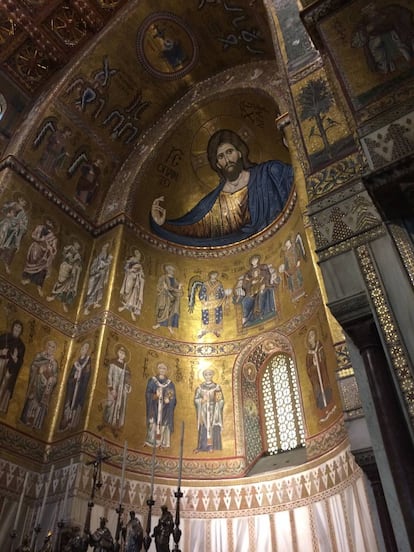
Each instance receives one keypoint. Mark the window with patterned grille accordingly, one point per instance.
(281, 405)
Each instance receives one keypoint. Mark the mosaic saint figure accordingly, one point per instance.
(163, 530)
(293, 253)
(42, 382)
(255, 292)
(13, 226)
(66, 285)
(212, 296)
(169, 292)
(133, 534)
(161, 401)
(118, 384)
(317, 370)
(247, 199)
(55, 152)
(89, 180)
(386, 34)
(98, 278)
(12, 351)
(209, 405)
(132, 289)
(76, 389)
(40, 255)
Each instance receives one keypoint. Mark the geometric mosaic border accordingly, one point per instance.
(389, 328)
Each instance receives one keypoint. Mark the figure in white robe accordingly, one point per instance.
(132, 289)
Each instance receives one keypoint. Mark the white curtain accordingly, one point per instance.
(303, 529)
(283, 533)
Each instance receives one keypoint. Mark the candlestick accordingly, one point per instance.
(153, 468)
(65, 500)
(40, 516)
(178, 495)
(19, 507)
(180, 463)
(123, 472)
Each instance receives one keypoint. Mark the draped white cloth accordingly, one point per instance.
(249, 515)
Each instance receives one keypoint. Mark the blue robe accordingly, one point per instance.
(268, 191)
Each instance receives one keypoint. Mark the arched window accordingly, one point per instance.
(281, 405)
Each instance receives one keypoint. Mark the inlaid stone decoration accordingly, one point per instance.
(390, 142)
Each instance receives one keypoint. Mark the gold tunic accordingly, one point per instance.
(229, 213)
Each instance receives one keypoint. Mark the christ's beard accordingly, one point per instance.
(233, 170)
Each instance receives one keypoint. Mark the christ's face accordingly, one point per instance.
(229, 161)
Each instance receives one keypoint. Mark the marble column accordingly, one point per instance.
(366, 461)
(395, 434)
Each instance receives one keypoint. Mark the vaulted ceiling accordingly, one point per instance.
(109, 71)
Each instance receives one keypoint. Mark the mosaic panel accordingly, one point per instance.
(342, 221)
(334, 176)
(390, 143)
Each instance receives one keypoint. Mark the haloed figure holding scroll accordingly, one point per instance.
(318, 371)
(76, 388)
(42, 382)
(118, 389)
